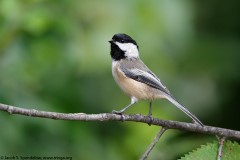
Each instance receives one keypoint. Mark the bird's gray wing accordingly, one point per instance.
(138, 71)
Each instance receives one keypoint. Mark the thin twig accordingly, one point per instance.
(221, 142)
(221, 132)
(149, 149)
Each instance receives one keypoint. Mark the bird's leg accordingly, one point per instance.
(150, 109)
(150, 113)
(133, 101)
(122, 110)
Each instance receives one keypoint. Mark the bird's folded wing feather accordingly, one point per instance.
(140, 72)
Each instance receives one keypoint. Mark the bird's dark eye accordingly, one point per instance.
(122, 41)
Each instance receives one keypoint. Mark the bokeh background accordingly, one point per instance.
(54, 56)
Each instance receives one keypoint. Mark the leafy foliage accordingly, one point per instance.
(231, 151)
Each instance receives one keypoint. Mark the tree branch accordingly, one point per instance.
(221, 143)
(221, 132)
(156, 139)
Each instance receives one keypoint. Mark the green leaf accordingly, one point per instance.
(231, 151)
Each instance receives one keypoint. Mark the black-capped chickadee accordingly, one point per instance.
(134, 77)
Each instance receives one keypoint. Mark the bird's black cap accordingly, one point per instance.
(123, 38)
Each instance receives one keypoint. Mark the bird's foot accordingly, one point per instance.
(119, 113)
(151, 119)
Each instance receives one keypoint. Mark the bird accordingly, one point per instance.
(135, 78)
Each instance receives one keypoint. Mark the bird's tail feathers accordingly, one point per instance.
(182, 108)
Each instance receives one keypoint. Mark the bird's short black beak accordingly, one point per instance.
(111, 41)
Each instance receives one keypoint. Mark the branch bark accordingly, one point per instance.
(221, 143)
(221, 132)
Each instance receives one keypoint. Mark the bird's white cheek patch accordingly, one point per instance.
(130, 49)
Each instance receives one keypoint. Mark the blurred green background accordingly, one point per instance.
(54, 56)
